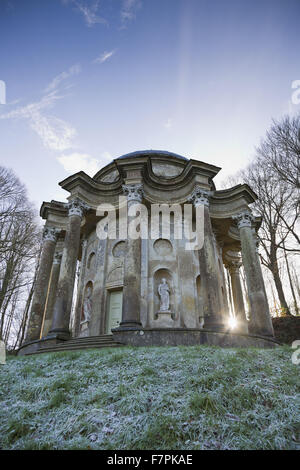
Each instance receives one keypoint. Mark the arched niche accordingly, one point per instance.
(157, 278)
(86, 309)
(91, 260)
(162, 247)
(119, 249)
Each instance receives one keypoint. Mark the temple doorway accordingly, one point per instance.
(114, 309)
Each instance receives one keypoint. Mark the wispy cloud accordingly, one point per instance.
(76, 161)
(104, 57)
(55, 133)
(129, 10)
(47, 101)
(89, 10)
(74, 70)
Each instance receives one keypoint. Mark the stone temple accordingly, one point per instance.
(148, 290)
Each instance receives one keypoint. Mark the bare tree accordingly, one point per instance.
(19, 236)
(280, 150)
(274, 175)
(273, 199)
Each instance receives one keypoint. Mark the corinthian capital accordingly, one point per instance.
(199, 196)
(50, 233)
(244, 219)
(57, 258)
(134, 192)
(77, 207)
(233, 266)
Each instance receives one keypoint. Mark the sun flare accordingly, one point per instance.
(232, 323)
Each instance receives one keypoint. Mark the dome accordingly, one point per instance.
(142, 153)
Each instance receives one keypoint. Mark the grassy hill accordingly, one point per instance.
(151, 398)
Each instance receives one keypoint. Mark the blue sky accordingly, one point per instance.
(88, 81)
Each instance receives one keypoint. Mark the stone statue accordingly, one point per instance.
(164, 294)
(87, 304)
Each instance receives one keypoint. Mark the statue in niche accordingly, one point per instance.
(87, 304)
(164, 294)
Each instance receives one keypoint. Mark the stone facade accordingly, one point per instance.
(149, 286)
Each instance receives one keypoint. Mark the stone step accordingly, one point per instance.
(100, 341)
(83, 338)
(76, 344)
(93, 344)
(76, 348)
(78, 338)
(85, 342)
(91, 339)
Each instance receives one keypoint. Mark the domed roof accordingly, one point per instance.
(141, 153)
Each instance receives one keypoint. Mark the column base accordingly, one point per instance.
(59, 334)
(212, 323)
(129, 325)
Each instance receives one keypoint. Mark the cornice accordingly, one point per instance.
(55, 207)
(81, 179)
(226, 195)
(223, 203)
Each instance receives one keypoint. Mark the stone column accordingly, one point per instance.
(51, 293)
(132, 267)
(224, 280)
(65, 287)
(41, 285)
(212, 306)
(260, 320)
(237, 294)
(80, 292)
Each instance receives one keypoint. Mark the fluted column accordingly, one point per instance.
(41, 284)
(212, 306)
(132, 266)
(260, 320)
(51, 293)
(237, 294)
(65, 287)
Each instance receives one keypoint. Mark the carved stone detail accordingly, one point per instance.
(116, 274)
(233, 266)
(163, 247)
(164, 295)
(134, 192)
(77, 207)
(50, 233)
(119, 250)
(244, 219)
(199, 196)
